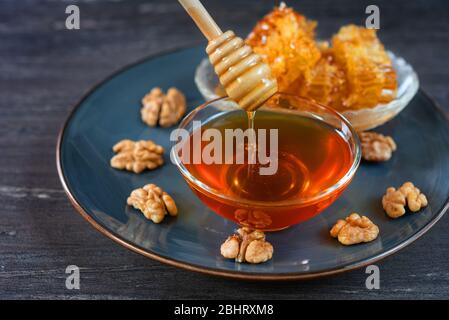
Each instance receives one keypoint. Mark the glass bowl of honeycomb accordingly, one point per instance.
(352, 73)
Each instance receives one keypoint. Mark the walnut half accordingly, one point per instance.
(394, 201)
(376, 146)
(163, 109)
(154, 203)
(354, 229)
(247, 246)
(136, 156)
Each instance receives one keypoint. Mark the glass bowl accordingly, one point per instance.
(362, 119)
(271, 214)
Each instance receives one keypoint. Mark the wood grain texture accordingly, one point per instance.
(45, 69)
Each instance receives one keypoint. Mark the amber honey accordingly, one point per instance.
(312, 157)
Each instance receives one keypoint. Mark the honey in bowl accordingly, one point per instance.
(317, 154)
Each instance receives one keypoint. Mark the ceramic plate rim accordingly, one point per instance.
(198, 268)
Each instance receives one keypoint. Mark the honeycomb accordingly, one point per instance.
(352, 72)
(326, 83)
(284, 39)
(369, 72)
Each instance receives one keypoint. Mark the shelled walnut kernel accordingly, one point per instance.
(136, 156)
(376, 146)
(163, 109)
(247, 245)
(154, 203)
(354, 229)
(394, 201)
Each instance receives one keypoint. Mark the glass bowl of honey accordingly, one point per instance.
(269, 169)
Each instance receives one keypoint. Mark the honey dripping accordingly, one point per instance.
(252, 145)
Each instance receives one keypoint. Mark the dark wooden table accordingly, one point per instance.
(45, 69)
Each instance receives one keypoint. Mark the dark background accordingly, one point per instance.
(45, 69)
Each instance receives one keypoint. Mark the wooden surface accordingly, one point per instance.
(45, 69)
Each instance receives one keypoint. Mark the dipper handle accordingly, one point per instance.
(202, 18)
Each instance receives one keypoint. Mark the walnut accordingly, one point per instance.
(137, 156)
(394, 201)
(163, 109)
(247, 246)
(376, 146)
(354, 229)
(154, 203)
(152, 103)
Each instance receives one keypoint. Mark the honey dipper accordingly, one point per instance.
(246, 79)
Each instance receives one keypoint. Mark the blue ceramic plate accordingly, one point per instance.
(110, 112)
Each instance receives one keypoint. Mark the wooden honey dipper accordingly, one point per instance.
(246, 79)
